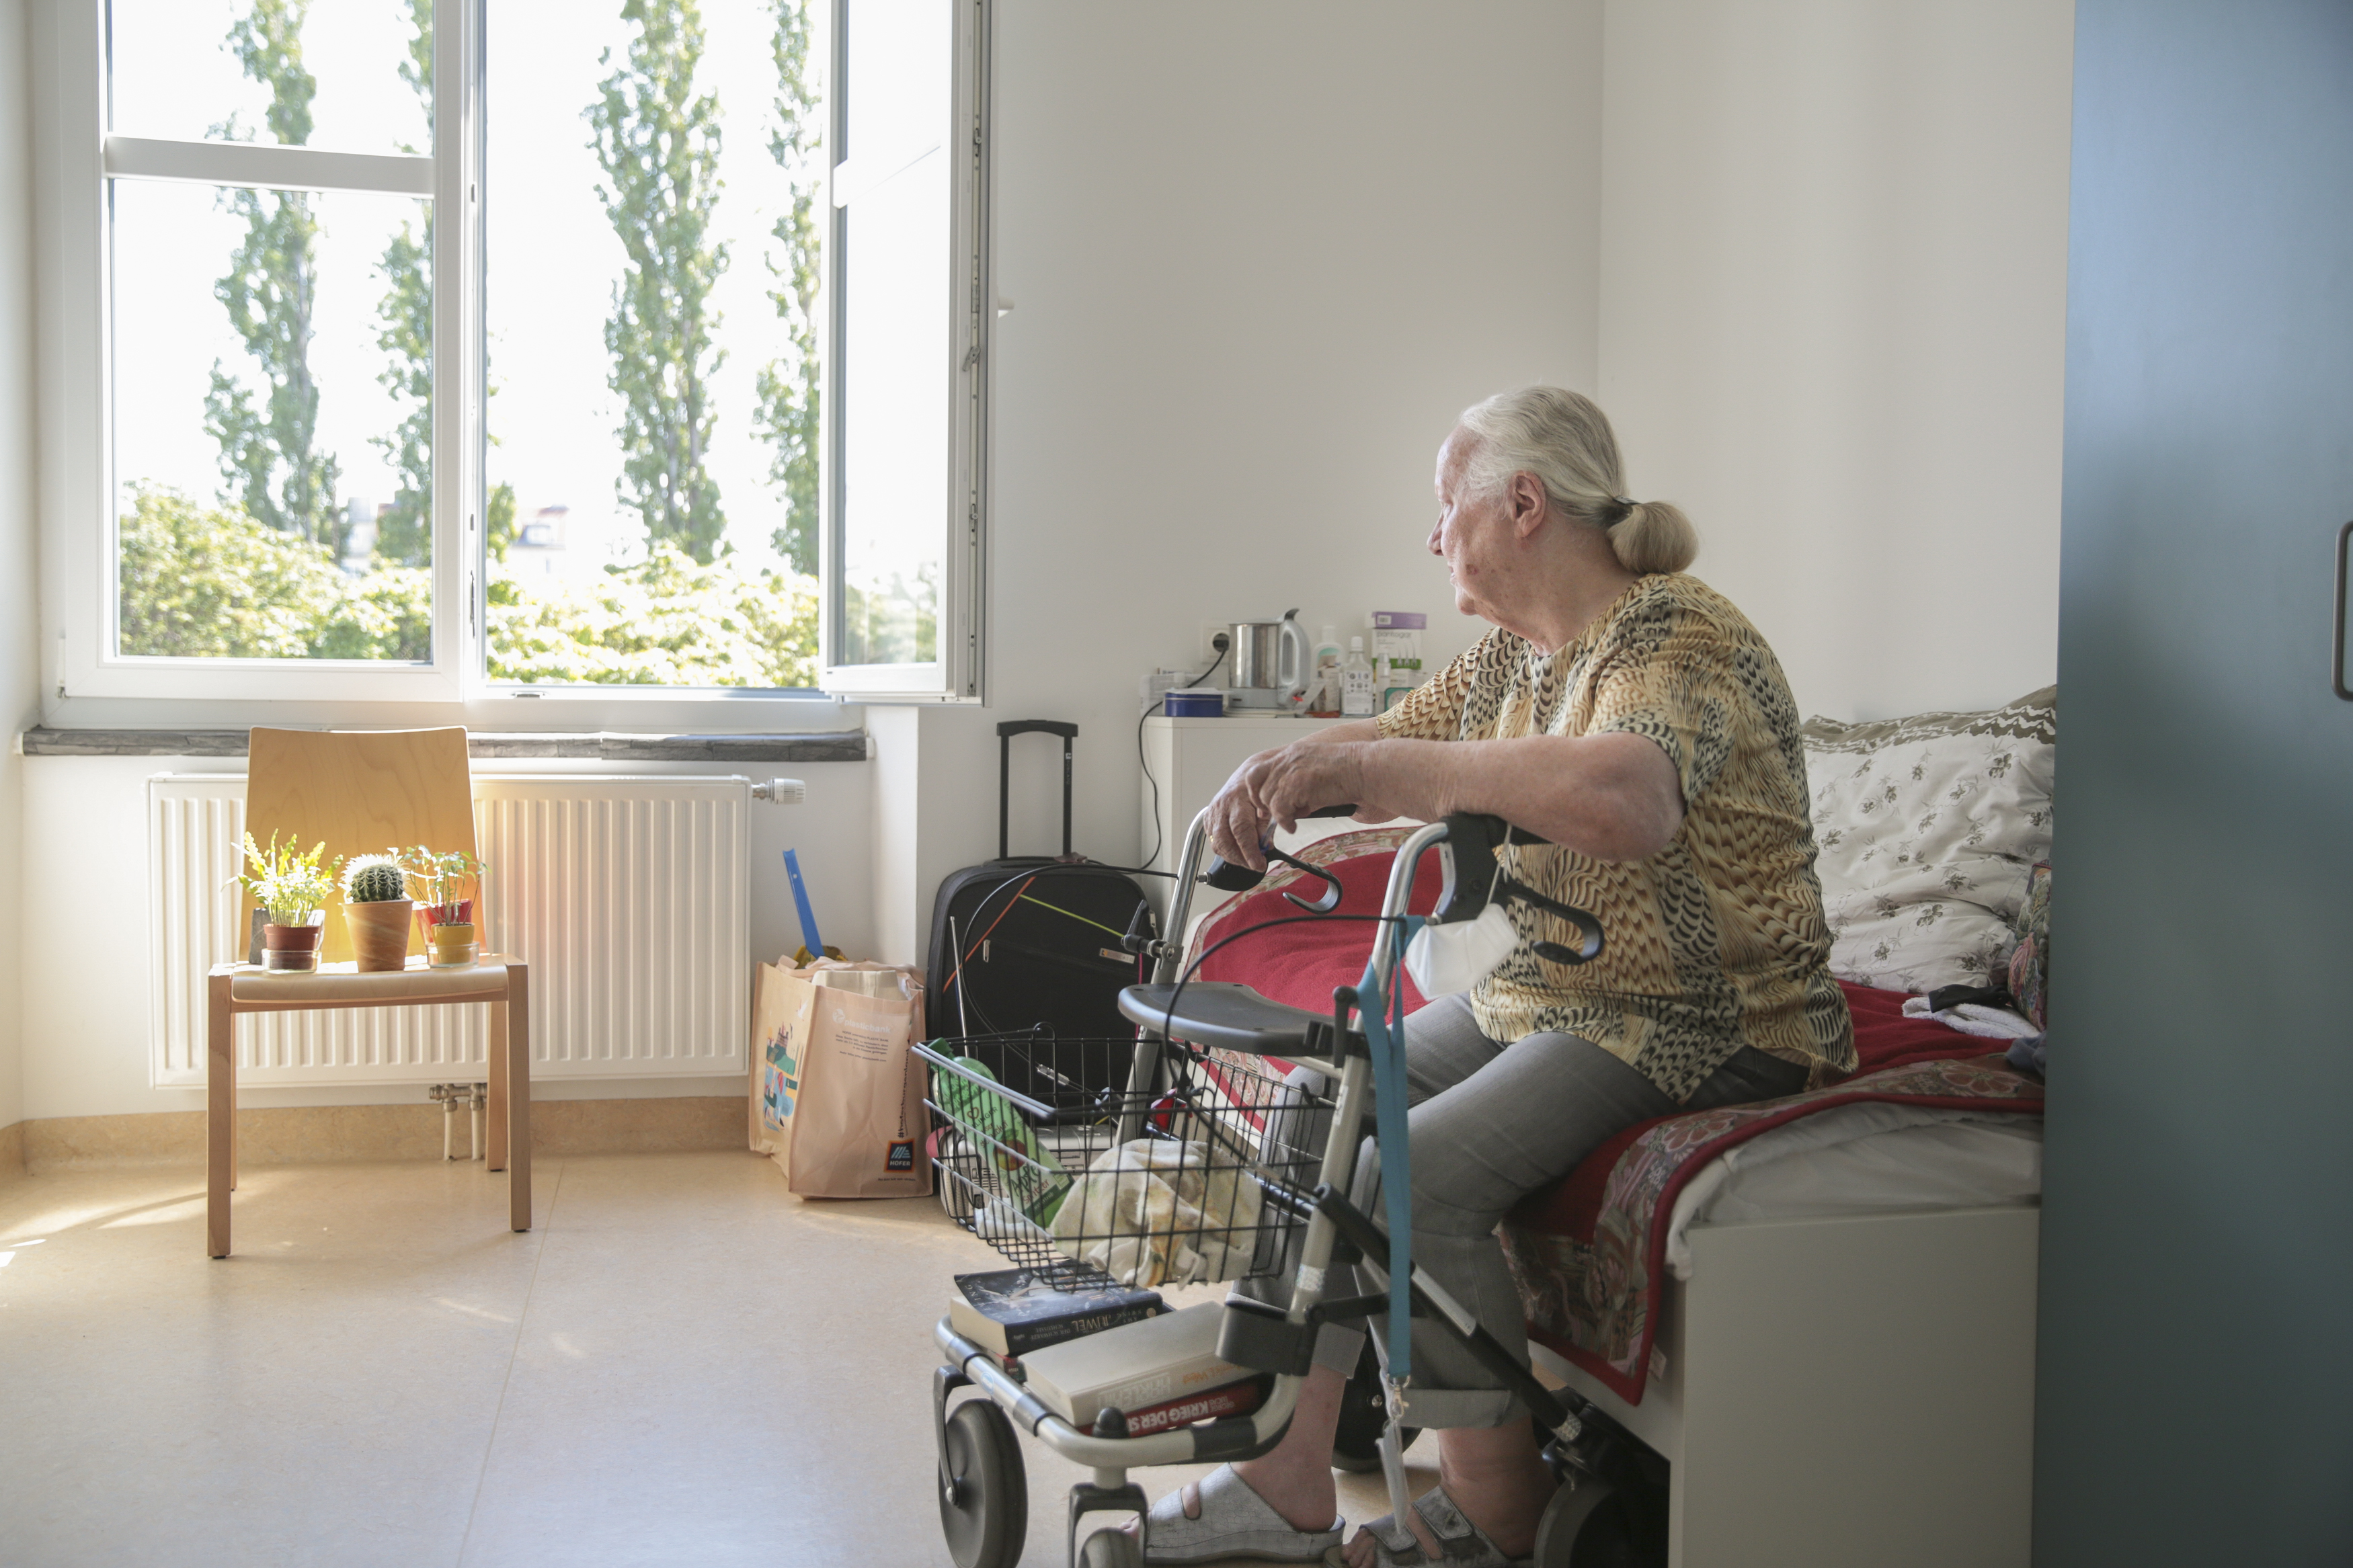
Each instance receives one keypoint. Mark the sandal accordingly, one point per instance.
(1235, 1522)
(1461, 1545)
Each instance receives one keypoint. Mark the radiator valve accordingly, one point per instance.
(784, 792)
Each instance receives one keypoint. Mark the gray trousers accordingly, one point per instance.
(1489, 1123)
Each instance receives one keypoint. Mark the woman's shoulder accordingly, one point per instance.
(1676, 603)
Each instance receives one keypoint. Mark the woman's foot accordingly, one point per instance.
(1497, 1480)
(1219, 1517)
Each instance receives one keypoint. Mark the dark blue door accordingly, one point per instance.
(2195, 1379)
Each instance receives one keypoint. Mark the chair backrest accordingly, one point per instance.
(362, 792)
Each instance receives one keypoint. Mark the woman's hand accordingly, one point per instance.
(1274, 789)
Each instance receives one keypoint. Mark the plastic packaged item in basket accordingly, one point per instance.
(1028, 1181)
(1162, 1211)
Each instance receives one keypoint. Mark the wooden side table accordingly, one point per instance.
(502, 982)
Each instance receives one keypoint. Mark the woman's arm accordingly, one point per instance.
(1613, 796)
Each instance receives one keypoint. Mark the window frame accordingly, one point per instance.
(959, 674)
(77, 160)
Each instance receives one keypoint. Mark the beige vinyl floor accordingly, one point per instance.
(680, 1363)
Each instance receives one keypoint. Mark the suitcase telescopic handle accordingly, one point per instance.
(1005, 733)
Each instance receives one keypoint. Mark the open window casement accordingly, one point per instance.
(130, 189)
(905, 407)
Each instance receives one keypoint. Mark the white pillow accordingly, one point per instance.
(1926, 830)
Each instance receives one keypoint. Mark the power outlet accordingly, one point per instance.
(1210, 633)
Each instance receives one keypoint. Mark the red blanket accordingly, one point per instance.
(1590, 1251)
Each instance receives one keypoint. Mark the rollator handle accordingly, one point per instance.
(1471, 840)
(1228, 877)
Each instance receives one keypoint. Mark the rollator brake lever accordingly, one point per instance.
(1231, 876)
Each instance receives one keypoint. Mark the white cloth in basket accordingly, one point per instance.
(1157, 1211)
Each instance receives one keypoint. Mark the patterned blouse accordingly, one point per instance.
(1717, 941)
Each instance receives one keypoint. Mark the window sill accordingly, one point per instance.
(828, 746)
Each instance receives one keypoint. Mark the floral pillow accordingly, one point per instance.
(1927, 831)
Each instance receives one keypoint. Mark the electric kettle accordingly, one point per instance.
(1269, 662)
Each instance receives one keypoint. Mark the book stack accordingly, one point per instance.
(1158, 1372)
(1084, 1349)
(1014, 1312)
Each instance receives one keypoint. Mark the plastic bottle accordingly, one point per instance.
(1357, 694)
(1324, 686)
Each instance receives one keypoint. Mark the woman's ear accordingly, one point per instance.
(1528, 503)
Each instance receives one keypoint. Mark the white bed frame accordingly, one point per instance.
(1847, 1393)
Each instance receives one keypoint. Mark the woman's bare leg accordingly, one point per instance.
(1496, 1477)
(1294, 1478)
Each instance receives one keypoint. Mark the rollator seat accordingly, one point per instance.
(1221, 1014)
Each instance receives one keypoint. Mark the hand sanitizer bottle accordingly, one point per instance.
(1357, 682)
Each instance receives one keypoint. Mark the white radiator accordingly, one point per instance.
(627, 896)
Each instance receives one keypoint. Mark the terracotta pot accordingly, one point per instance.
(379, 934)
(291, 950)
(453, 945)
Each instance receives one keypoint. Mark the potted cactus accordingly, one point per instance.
(443, 887)
(292, 890)
(376, 907)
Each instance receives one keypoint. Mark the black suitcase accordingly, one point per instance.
(1036, 943)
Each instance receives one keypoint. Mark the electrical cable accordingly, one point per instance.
(1160, 840)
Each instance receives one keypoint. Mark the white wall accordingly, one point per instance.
(1259, 257)
(1833, 310)
(19, 638)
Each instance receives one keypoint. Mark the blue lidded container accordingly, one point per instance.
(1197, 702)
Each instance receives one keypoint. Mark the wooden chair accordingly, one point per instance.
(360, 793)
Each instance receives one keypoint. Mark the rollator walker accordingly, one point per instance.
(1187, 1079)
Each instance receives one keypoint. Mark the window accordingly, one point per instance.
(416, 349)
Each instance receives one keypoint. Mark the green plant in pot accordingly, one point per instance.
(445, 886)
(292, 890)
(376, 907)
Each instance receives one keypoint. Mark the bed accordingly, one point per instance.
(1819, 1311)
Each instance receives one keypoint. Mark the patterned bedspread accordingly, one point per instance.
(1590, 1253)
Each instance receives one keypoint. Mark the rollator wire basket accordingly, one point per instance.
(1203, 1177)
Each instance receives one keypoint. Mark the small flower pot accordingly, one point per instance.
(293, 950)
(379, 934)
(453, 944)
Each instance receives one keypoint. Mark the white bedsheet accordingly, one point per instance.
(1869, 1158)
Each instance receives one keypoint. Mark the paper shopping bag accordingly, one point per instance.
(836, 1097)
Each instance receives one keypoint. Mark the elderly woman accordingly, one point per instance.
(1632, 716)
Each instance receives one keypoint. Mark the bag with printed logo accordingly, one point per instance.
(836, 1097)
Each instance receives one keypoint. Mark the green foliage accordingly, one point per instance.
(268, 459)
(786, 414)
(200, 582)
(498, 520)
(894, 624)
(404, 532)
(290, 886)
(658, 142)
(374, 879)
(669, 620)
(442, 878)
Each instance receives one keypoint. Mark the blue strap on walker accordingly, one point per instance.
(1381, 1010)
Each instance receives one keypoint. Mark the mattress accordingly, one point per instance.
(1862, 1158)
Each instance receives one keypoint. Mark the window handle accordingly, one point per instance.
(2336, 632)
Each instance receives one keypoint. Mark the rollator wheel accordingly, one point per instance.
(1586, 1526)
(983, 1496)
(1111, 1549)
(1364, 1412)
